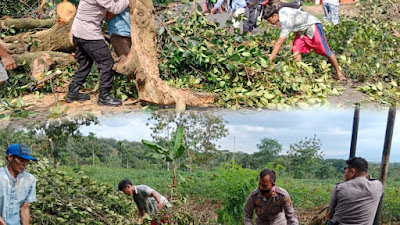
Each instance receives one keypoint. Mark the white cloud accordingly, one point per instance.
(332, 127)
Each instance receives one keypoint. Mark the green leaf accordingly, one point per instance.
(379, 86)
(303, 105)
(157, 148)
(230, 66)
(246, 54)
(176, 38)
(234, 57)
(268, 95)
(238, 39)
(160, 30)
(124, 97)
(177, 140)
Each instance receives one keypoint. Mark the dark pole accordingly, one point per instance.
(385, 157)
(355, 131)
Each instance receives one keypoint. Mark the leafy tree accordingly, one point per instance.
(305, 157)
(200, 128)
(92, 138)
(269, 149)
(338, 164)
(171, 153)
(327, 170)
(58, 132)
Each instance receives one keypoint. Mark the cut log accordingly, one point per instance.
(27, 23)
(41, 62)
(142, 61)
(57, 38)
(65, 12)
(54, 39)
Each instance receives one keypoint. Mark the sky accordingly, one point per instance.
(247, 127)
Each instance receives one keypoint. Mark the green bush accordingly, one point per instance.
(16, 8)
(234, 186)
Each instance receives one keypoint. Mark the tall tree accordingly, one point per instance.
(143, 62)
(269, 149)
(58, 132)
(92, 138)
(305, 157)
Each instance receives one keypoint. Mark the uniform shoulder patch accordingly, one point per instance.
(288, 202)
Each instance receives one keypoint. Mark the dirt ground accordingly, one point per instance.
(205, 211)
(344, 10)
(41, 106)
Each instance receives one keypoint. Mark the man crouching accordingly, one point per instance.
(309, 34)
(147, 199)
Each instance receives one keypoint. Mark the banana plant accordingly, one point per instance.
(169, 154)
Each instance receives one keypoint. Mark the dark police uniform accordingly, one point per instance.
(275, 210)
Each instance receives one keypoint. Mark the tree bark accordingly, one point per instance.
(27, 23)
(54, 39)
(41, 62)
(142, 61)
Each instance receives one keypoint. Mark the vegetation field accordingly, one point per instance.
(78, 175)
(308, 195)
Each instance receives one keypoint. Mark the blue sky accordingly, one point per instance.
(333, 127)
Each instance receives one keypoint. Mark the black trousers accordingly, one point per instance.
(251, 19)
(89, 51)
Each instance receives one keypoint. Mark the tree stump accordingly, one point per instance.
(142, 61)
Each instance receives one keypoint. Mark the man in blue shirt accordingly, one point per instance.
(119, 29)
(17, 187)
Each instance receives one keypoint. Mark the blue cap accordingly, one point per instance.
(20, 150)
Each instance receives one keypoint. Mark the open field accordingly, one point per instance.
(308, 195)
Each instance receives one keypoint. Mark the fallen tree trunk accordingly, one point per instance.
(142, 61)
(27, 23)
(57, 38)
(54, 39)
(41, 62)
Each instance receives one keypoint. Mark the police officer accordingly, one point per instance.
(356, 200)
(271, 203)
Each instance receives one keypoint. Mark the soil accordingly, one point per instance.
(204, 209)
(41, 106)
(345, 10)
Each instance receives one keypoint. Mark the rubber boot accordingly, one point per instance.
(105, 98)
(75, 95)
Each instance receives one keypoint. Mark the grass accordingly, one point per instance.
(198, 183)
(306, 194)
